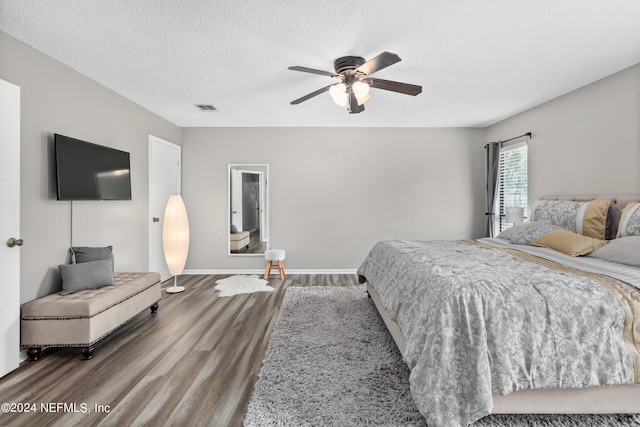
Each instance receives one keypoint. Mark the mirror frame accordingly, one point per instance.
(258, 167)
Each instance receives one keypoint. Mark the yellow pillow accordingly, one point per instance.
(569, 243)
(594, 222)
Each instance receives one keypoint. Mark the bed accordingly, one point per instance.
(545, 318)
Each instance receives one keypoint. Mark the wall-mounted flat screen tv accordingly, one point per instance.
(87, 171)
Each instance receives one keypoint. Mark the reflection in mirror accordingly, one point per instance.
(248, 213)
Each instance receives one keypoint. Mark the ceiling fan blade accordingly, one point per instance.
(312, 70)
(311, 95)
(381, 61)
(406, 88)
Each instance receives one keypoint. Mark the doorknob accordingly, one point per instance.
(12, 242)
(156, 219)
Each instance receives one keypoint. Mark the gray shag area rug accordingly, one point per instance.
(332, 362)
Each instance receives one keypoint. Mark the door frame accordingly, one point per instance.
(237, 191)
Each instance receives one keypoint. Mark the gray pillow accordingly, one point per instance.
(557, 212)
(623, 250)
(86, 275)
(527, 232)
(86, 254)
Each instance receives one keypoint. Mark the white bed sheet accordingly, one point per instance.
(625, 273)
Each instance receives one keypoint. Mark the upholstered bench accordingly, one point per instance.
(83, 318)
(239, 240)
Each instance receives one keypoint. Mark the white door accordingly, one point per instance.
(9, 227)
(164, 180)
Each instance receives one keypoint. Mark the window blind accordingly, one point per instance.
(512, 181)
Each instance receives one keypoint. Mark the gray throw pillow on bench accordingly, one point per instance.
(81, 254)
(86, 275)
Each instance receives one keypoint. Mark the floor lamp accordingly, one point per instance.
(175, 239)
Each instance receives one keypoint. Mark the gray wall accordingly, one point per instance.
(337, 191)
(57, 99)
(334, 192)
(586, 142)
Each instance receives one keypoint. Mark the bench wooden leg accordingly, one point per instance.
(267, 270)
(87, 353)
(34, 353)
(154, 308)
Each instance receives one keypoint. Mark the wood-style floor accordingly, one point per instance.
(194, 363)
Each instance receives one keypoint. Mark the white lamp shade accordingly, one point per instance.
(361, 91)
(514, 215)
(339, 95)
(363, 100)
(175, 234)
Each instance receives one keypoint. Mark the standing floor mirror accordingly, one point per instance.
(248, 209)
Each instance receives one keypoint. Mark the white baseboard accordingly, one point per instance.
(273, 272)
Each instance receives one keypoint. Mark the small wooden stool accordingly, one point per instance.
(271, 256)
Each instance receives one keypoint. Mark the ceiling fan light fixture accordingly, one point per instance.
(339, 94)
(363, 100)
(355, 81)
(361, 91)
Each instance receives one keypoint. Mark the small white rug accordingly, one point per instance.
(235, 285)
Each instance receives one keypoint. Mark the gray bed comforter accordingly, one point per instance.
(478, 320)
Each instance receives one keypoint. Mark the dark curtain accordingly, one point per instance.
(492, 152)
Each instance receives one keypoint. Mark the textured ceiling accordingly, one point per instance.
(479, 61)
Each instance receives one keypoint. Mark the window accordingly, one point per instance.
(512, 181)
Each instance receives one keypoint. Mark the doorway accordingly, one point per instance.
(164, 180)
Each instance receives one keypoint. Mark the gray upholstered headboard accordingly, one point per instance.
(615, 210)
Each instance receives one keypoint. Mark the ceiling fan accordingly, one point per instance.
(353, 89)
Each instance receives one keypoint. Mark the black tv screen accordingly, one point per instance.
(86, 171)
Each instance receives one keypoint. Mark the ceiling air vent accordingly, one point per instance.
(206, 107)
